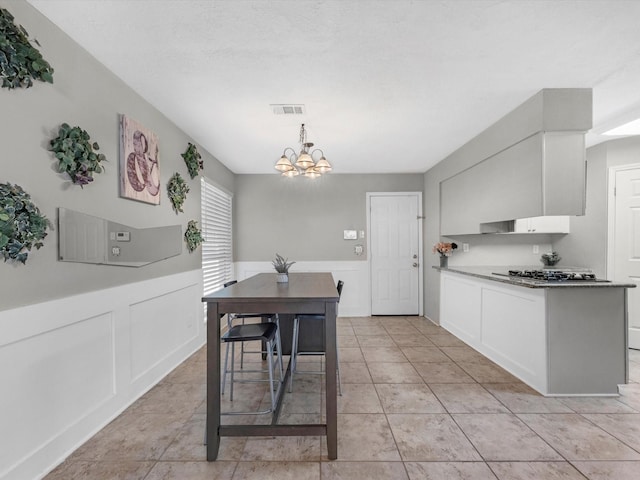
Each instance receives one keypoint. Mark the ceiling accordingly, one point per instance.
(389, 86)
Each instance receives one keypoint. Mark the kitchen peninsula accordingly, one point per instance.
(561, 338)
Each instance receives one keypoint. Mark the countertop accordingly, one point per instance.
(487, 273)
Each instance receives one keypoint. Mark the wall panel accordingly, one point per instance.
(69, 366)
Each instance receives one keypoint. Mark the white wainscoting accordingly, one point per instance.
(69, 366)
(356, 295)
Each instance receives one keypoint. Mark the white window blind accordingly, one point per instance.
(216, 223)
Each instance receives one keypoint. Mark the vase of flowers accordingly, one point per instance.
(444, 250)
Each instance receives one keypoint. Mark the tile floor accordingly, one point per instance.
(417, 404)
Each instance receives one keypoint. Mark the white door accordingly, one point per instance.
(626, 255)
(395, 253)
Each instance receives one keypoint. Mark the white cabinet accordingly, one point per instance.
(559, 341)
(503, 322)
(521, 181)
(549, 224)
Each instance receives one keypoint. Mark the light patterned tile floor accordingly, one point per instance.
(417, 404)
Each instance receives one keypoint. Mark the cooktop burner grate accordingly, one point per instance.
(553, 275)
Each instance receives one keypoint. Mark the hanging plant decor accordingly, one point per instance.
(20, 62)
(177, 189)
(22, 226)
(193, 159)
(193, 236)
(76, 154)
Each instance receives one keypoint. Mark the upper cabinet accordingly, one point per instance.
(540, 175)
(555, 224)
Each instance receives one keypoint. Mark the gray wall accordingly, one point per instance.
(304, 219)
(84, 93)
(522, 122)
(587, 242)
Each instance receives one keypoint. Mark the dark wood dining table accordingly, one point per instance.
(308, 293)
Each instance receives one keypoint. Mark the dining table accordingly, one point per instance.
(305, 293)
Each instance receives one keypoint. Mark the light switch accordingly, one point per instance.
(361, 233)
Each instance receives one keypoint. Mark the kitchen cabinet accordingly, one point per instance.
(559, 341)
(550, 224)
(542, 175)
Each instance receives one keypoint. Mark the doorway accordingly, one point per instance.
(395, 252)
(624, 234)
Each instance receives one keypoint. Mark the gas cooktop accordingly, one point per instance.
(553, 275)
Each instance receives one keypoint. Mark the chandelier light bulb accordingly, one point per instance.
(304, 160)
(284, 164)
(323, 166)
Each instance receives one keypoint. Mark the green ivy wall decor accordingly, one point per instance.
(20, 62)
(75, 154)
(177, 189)
(22, 226)
(193, 159)
(193, 236)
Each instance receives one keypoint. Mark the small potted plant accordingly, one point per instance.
(550, 259)
(445, 250)
(282, 265)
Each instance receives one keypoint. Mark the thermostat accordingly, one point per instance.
(123, 236)
(350, 235)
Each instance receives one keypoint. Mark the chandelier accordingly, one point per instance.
(292, 164)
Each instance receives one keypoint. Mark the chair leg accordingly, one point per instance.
(279, 348)
(294, 351)
(270, 366)
(338, 368)
(233, 368)
(242, 351)
(224, 372)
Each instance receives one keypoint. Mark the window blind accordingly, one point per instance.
(217, 255)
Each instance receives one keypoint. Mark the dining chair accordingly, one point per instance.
(231, 317)
(298, 322)
(264, 332)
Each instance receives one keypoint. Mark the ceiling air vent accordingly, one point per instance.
(287, 109)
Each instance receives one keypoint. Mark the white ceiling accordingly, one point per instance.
(389, 86)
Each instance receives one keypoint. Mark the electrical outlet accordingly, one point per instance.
(536, 249)
(465, 247)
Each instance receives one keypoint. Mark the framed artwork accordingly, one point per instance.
(139, 162)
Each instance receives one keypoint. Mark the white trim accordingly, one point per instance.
(611, 215)
(420, 245)
(77, 362)
(633, 334)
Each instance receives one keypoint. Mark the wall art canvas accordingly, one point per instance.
(139, 162)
